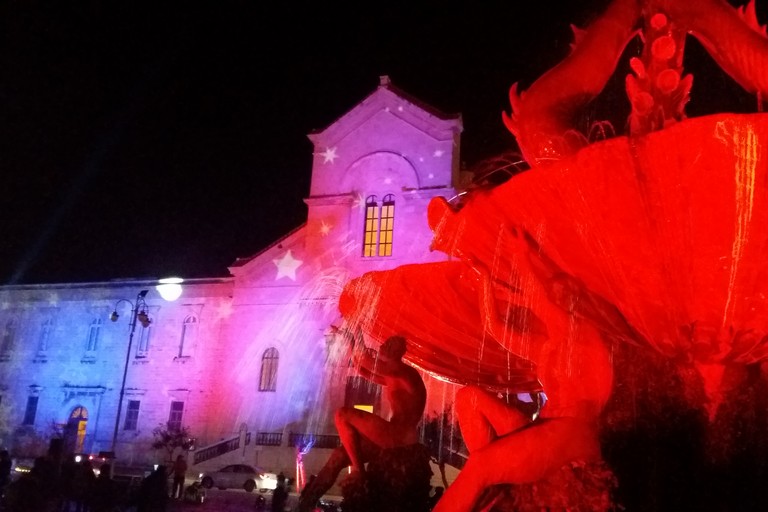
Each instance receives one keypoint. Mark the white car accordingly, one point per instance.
(239, 476)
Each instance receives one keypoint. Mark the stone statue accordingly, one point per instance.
(364, 436)
(653, 240)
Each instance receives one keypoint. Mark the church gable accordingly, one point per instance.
(392, 137)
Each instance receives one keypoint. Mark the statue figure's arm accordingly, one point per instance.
(543, 117)
(732, 36)
(369, 366)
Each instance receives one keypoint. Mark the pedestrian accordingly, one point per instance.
(179, 476)
(153, 492)
(82, 485)
(28, 492)
(105, 492)
(5, 469)
(280, 494)
(69, 468)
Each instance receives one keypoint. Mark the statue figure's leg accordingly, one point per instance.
(326, 477)
(354, 425)
(484, 417)
(523, 456)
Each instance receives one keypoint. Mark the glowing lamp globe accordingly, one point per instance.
(169, 288)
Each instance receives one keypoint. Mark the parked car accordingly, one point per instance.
(239, 476)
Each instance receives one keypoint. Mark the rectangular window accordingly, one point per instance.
(142, 347)
(31, 411)
(188, 337)
(93, 336)
(132, 415)
(9, 335)
(362, 394)
(42, 340)
(175, 417)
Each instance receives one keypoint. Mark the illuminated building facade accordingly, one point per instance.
(244, 361)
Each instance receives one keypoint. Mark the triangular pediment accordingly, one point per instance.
(389, 98)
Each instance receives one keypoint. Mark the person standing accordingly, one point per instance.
(104, 494)
(280, 494)
(153, 492)
(179, 475)
(5, 469)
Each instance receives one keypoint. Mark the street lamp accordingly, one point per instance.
(138, 315)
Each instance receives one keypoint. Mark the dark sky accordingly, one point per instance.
(168, 138)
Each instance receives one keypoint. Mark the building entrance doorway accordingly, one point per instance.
(74, 433)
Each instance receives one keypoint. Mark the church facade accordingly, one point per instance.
(246, 361)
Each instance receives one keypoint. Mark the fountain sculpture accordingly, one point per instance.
(629, 269)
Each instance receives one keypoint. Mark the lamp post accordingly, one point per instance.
(138, 315)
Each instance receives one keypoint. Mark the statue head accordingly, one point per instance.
(393, 348)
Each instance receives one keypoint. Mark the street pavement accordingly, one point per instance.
(231, 500)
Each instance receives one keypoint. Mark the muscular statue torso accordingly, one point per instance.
(406, 395)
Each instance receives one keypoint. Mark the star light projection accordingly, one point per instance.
(286, 266)
(329, 155)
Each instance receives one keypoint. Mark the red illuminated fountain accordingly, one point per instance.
(653, 244)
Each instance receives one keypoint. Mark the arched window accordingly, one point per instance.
(269, 361)
(188, 336)
(387, 227)
(379, 226)
(75, 430)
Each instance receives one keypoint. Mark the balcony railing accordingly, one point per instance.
(269, 439)
(317, 440)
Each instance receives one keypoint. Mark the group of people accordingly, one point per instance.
(66, 487)
(58, 483)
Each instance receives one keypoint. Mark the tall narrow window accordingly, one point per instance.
(42, 339)
(176, 415)
(188, 336)
(132, 415)
(379, 226)
(142, 343)
(269, 361)
(387, 223)
(93, 336)
(31, 411)
(9, 338)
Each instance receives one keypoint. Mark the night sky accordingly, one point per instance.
(166, 138)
